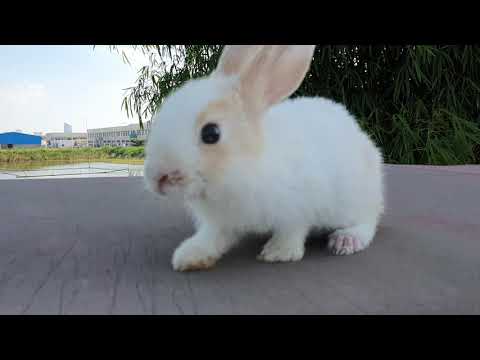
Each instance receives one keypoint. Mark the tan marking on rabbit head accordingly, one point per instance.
(240, 135)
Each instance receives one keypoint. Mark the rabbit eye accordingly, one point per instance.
(210, 133)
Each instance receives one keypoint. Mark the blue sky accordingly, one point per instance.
(41, 87)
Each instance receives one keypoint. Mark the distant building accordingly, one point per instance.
(118, 135)
(39, 133)
(66, 140)
(67, 128)
(10, 140)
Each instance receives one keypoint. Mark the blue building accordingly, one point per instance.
(15, 139)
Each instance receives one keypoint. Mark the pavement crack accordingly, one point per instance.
(192, 295)
(48, 277)
(140, 298)
(118, 276)
(60, 305)
(6, 275)
(174, 300)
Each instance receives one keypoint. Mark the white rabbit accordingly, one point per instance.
(246, 159)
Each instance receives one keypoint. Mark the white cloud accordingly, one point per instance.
(22, 94)
(21, 105)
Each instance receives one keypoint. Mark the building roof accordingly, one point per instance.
(134, 126)
(16, 138)
(65, 135)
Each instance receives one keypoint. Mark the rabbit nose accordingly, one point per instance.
(168, 179)
(161, 183)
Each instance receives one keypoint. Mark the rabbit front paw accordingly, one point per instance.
(192, 255)
(281, 251)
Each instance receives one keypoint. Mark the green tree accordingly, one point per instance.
(420, 103)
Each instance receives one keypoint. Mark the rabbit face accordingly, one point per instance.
(200, 132)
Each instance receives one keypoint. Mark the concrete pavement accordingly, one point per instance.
(103, 246)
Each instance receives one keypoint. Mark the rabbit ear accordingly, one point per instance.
(267, 73)
(235, 58)
(276, 72)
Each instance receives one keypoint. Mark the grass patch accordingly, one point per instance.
(77, 155)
